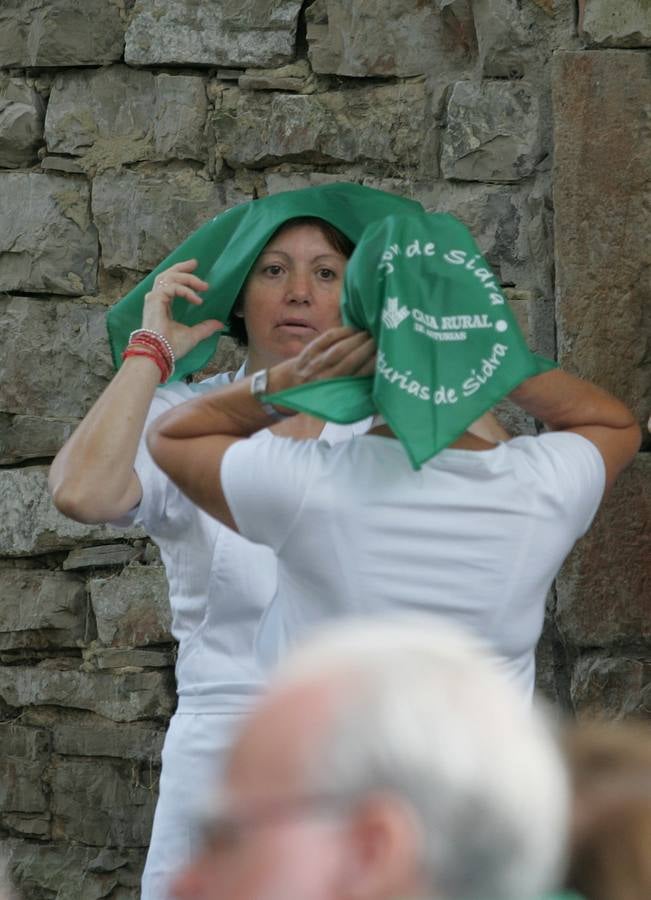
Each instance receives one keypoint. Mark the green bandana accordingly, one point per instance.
(448, 346)
(227, 247)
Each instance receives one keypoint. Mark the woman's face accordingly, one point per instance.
(291, 295)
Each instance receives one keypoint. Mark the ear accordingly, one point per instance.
(384, 845)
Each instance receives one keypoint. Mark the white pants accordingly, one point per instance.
(193, 756)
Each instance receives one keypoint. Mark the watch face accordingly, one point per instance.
(259, 383)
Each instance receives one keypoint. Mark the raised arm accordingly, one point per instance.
(189, 441)
(567, 403)
(92, 478)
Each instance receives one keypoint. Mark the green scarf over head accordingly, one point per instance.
(227, 247)
(448, 346)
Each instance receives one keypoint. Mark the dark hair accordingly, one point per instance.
(337, 240)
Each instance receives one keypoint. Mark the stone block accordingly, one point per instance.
(228, 33)
(77, 873)
(296, 77)
(605, 584)
(30, 524)
(118, 658)
(119, 696)
(494, 215)
(47, 241)
(20, 788)
(103, 555)
(92, 736)
(25, 754)
(506, 38)
(493, 132)
(31, 437)
(142, 218)
(389, 37)
(101, 802)
(119, 115)
(21, 122)
(30, 744)
(42, 609)
(63, 33)
(62, 164)
(602, 160)
(29, 824)
(54, 358)
(386, 124)
(132, 609)
(611, 688)
(607, 24)
(511, 224)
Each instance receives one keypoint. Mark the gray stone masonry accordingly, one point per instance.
(42, 609)
(54, 358)
(60, 32)
(21, 122)
(132, 609)
(381, 124)
(344, 38)
(493, 132)
(606, 24)
(48, 243)
(167, 207)
(124, 126)
(121, 115)
(225, 33)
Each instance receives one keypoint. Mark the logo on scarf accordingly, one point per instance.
(393, 315)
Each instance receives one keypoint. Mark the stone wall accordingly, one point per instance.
(123, 126)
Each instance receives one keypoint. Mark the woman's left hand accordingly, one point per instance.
(336, 353)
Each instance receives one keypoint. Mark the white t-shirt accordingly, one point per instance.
(219, 582)
(476, 536)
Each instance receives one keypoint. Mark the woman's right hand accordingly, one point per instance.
(177, 281)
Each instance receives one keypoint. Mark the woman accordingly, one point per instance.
(219, 582)
(479, 530)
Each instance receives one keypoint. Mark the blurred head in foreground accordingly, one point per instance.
(387, 761)
(611, 841)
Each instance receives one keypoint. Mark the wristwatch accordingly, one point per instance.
(259, 386)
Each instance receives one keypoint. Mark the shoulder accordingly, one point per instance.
(556, 447)
(563, 463)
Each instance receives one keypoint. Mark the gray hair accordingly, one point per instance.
(427, 716)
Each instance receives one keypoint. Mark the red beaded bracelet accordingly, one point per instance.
(154, 339)
(150, 339)
(142, 350)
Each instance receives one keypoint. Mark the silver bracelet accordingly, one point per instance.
(160, 337)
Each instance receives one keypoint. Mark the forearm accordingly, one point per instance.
(563, 401)
(231, 411)
(93, 472)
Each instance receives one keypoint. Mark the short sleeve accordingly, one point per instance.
(266, 483)
(573, 470)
